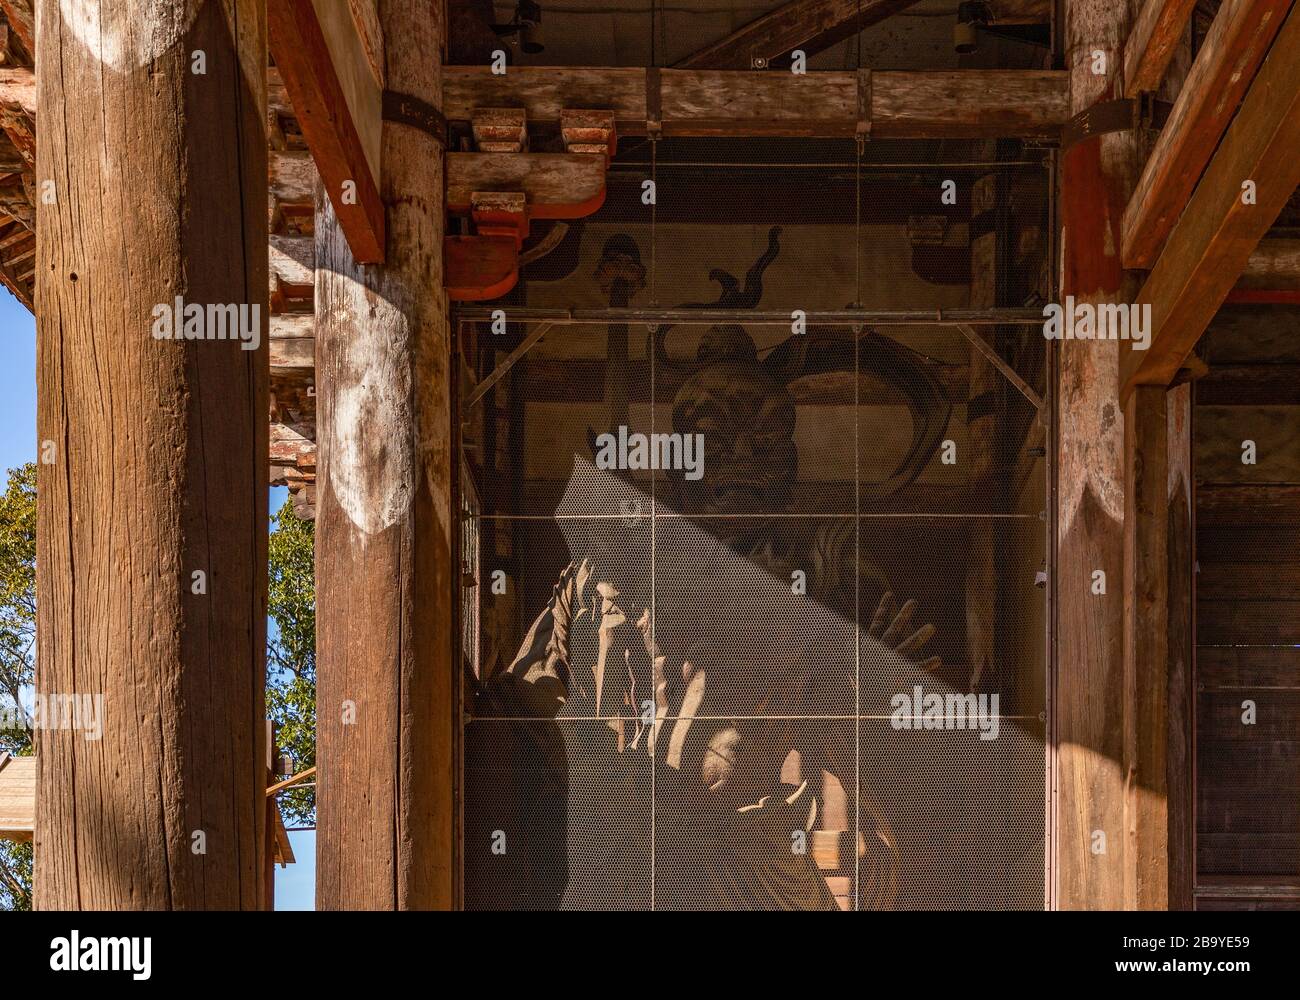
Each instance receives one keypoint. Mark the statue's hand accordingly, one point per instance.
(537, 681)
(889, 626)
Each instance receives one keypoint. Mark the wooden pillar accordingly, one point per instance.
(1181, 643)
(152, 514)
(1097, 177)
(384, 581)
(1146, 649)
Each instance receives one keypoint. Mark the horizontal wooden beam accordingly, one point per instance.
(1273, 265)
(18, 89)
(1160, 27)
(1228, 505)
(1020, 11)
(16, 285)
(811, 25)
(555, 185)
(337, 104)
(962, 103)
(1214, 237)
(1237, 42)
(1250, 385)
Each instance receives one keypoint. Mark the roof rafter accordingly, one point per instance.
(1217, 233)
(811, 25)
(1237, 42)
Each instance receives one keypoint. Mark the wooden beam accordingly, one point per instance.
(1009, 103)
(16, 285)
(22, 21)
(18, 89)
(810, 25)
(1238, 40)
(17, 797)
(384, 570)
(556, 185)
(1160, 29)
(152, 578)
(365, 18)
(1250, 385)
(18, 110)
(15, 203)
(293, 262)
(1215, 236)
(337, 103)
(1273, 265)
(1020, 11)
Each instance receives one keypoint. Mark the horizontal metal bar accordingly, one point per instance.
(770, 317)
(875, 167)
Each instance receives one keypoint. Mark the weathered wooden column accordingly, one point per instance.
(1146, 649)
(1158, 583)
(384, 581)
(1098, 175)
(151, 539)
(1180, 644)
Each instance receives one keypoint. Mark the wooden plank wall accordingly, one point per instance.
(1248, 614)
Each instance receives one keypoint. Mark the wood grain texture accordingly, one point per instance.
(17, 797)
(1273, 264)
(1160, 29)
(384, 524)
(1239, 39)
(22, 21)
(1244, 505)
(1221, 433)
(339, 132)
(160, 460)
(556, 185)
(1098, 176)
(810, 25)
(1180, 646)
(1146, 647)
(707, 102)
(1213, 239)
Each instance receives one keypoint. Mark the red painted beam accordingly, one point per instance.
(298, 45)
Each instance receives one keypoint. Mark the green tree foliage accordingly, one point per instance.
(291, 655)
(17, 656)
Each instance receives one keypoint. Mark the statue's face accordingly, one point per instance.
(747, 419)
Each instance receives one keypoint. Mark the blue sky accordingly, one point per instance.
(294, 886)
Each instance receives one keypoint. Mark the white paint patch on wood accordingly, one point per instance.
(127, 40)
(371, 462)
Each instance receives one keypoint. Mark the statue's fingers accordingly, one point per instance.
(932, 664)
(899, 624)
(915, 641)
(884, 611)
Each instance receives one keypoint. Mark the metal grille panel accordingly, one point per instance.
(867, 524)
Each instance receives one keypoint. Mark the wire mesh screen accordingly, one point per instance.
(757, 602)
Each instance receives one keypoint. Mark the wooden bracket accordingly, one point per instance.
(589, 132)
(500, 213)
(479, 268)
(500, 130)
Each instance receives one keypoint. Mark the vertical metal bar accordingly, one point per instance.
(1052, 416)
